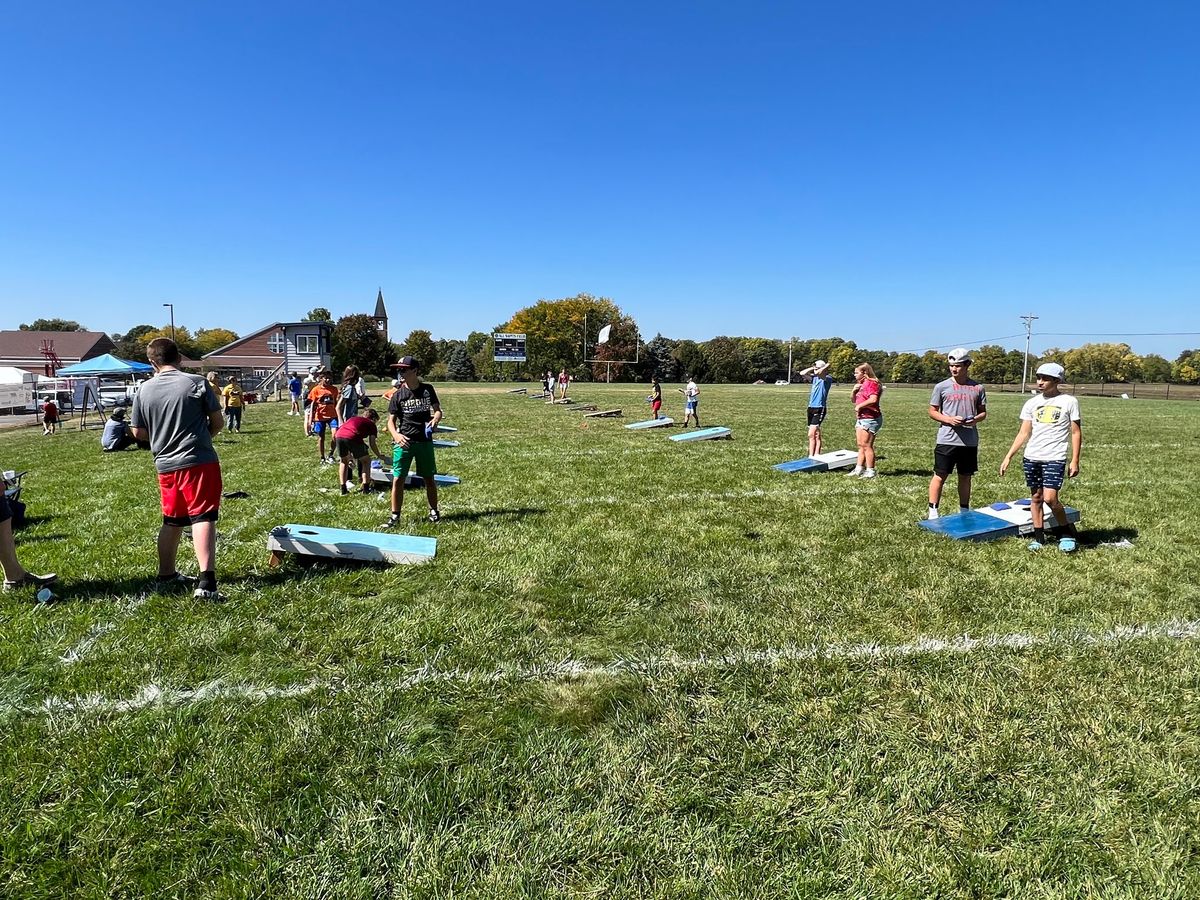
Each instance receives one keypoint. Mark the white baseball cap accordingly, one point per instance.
(1053, 370)
(819, 365)
(959, 355)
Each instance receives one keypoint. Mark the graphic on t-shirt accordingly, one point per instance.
(1048, 415)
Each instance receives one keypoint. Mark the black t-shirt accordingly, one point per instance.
(413, 410)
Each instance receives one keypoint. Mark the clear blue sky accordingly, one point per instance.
(903, 174)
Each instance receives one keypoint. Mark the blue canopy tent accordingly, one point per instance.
(104, 366)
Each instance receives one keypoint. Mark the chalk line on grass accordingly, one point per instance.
(646, 667)
(76, 653)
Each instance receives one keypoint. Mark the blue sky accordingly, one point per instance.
(906, 175)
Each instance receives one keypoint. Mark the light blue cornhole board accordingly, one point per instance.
(341, 543)
(384, 476)
(518, 390)
(651, 423)
(444, 429)
(442, 445)
(704, 434)
(822, 462)
(990, 523)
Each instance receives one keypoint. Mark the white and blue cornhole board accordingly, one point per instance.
(704, 434)
(341, 543)
(384, 476)
(651, 423)
(444, 429)
(442, 445)
(822, 462)
(990, 523)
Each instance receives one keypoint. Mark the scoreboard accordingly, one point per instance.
(509, 348)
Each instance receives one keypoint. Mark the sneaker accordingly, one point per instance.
(868, 473)
(855, 472)
(211, 596)
(176, 582)
(345, 490)
(1034, 546)
(435, 516)
(1067, 545)
(393, 521)
(933, 513)
(31, 581)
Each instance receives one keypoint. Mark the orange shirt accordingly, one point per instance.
(324, 403)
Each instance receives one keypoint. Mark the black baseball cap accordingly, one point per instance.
(405, 362)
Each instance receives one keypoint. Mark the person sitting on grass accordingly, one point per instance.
(323, 409)
(16, 576)
(1050, 422)
(350, 443)
(413, 414)
(116, 434)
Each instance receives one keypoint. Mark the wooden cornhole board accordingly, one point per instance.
(341, 543)
(990, 523)
(661, 422)
(704, 434)
(565, 401)
(586, 407)
(603, 414)
(822, 462)
(384, 476)
(442, 445)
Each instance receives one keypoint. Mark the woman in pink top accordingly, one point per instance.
(868, 419)
(564, 381)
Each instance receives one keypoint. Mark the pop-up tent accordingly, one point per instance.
(104, 366)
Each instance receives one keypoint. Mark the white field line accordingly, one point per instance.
(76, 653)
(648, 667)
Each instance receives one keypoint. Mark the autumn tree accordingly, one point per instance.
(906, 368)
(356, 341)
(130, 344)
(209, 339)
(554, 330)
(182, 338)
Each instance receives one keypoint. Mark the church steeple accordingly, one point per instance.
(381, 317)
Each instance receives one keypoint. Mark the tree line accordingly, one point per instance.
(563, 333)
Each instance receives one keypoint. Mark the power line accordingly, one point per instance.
(1003, 337)
(1116, 333)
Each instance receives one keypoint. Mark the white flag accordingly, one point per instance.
(603, 339)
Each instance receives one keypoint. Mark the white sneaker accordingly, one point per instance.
(855, 472)
(869, 473)
(933, 513)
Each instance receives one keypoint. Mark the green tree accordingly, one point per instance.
(356, 341)
(723, 360)
(1186, 368)
(476, 341)
(764, 359)
(843, 361)
(130, 344)
(319, 314)
(661, 359)
(906, 368)
(52, 325)
(934, 367)
(459, 366)
(554, 330)
(1155, 369)
(690, 360)
(420, 346)
(209, 339)
(182, 337)
(1097, 362)
(990, 364)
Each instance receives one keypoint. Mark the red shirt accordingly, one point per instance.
(864, 390)
(357, 428)
(50, 410)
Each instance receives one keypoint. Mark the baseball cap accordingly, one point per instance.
(959, 355)
(820, 364)
(1053, 370)
(405, 362)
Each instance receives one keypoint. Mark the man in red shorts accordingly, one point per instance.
(179, 414)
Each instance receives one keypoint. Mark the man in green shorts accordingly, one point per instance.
(413, 413)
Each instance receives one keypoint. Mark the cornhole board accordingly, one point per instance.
(445, 429)
(990, 523)
(822, 462)
(586, 407)
(565, 401)
(519, 391)
(704, 434)
(442, 445)
(538, 396)
(603, 414)
(341, 543)
(384, 476)
(651, 423)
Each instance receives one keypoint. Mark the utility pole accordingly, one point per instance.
(1028, 320)
(172, 305)
(790, 360)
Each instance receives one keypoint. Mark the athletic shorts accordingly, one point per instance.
(190, 495)
(351, 447)
(5, 508)
(691, 405)
(331, 425)
(816, 415)
(870, 425)
(420, 452)
(948, 457)
(1044, 474)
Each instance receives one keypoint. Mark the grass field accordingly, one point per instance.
(636, 669)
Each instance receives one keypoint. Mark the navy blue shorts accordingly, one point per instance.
(1040, 474)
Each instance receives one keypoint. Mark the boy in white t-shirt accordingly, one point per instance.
(1050, 422)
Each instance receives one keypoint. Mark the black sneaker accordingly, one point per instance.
(435, 516)
(392, 521)
(176, 582)
(30, 580)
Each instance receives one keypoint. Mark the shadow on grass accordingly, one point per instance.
(499, 514)
(1094, 537)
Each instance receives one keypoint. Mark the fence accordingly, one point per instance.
(1135, 390)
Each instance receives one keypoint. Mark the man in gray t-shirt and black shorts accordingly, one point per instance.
(958, 405)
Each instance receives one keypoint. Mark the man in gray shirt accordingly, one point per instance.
(179, 414)
(958, 404)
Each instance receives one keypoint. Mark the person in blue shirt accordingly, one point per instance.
(295, 388)
(818, 401)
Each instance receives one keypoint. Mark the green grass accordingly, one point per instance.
(634, 669)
